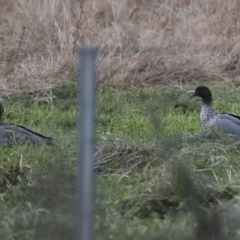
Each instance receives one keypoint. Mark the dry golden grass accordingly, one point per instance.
(143, 43)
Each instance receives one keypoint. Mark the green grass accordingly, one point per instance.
(141, 136)
(142, 190)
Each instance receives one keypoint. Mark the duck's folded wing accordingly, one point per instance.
(15, 133)
(229, 123)
(41, 136)
(231, 117)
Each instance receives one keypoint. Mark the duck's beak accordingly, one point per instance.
(193, 95)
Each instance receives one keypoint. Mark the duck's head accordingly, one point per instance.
(204, 93)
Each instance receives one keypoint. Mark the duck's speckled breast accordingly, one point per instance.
(209, 117)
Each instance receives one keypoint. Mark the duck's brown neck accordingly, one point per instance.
(207, 100)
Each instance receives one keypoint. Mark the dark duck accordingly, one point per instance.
(11, 134)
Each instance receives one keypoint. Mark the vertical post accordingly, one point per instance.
(86, 143)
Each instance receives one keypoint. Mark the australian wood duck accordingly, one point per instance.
(11, 134)
(227, 122)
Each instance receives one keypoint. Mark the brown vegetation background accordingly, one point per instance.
(142, 42)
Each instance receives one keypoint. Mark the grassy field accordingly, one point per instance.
(37, 182)
(158, 175)
(141, 44)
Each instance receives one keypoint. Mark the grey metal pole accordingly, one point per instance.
(86, 143)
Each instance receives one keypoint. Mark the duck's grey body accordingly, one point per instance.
(229, 123)
(11, 134)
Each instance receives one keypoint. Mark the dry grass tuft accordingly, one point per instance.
(142, 43)
(120, 155)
